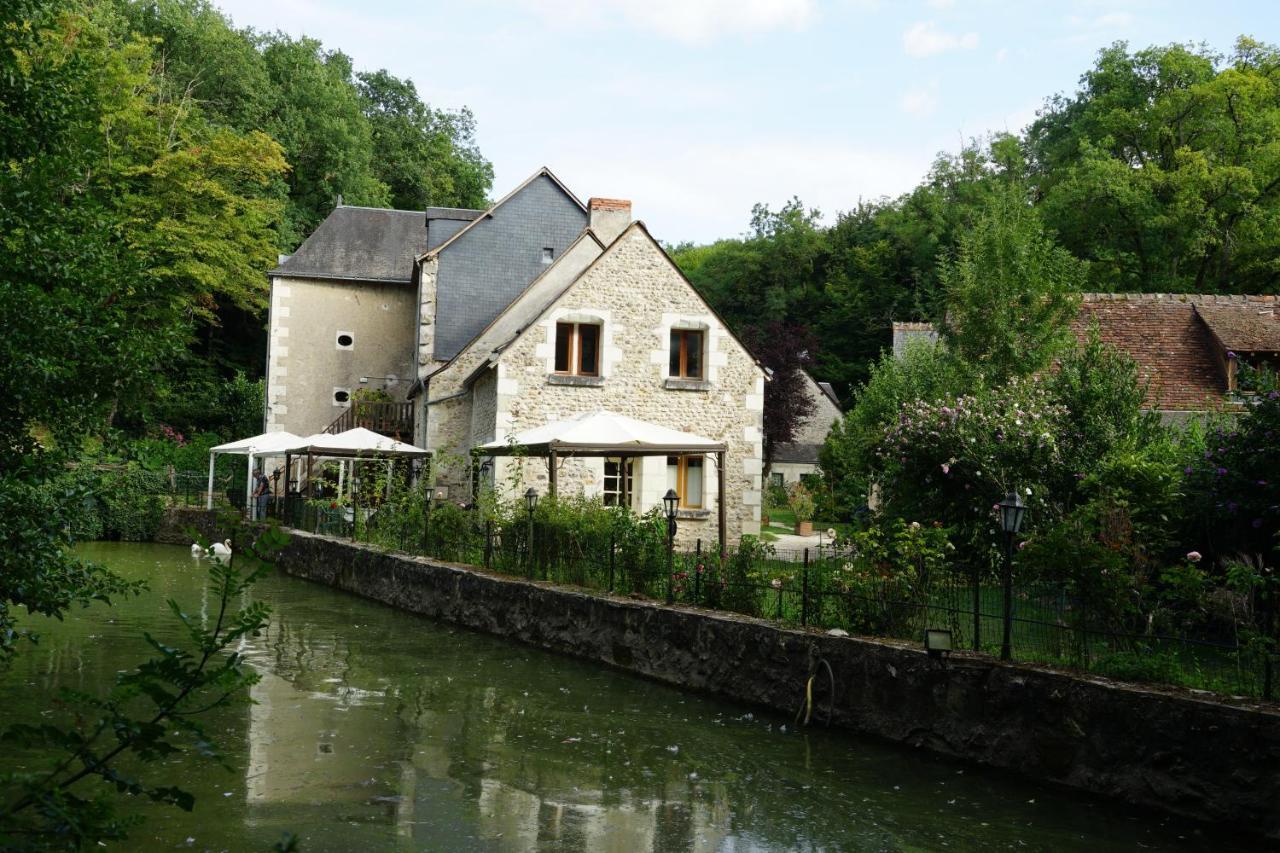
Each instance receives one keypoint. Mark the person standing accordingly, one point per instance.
(261, 493)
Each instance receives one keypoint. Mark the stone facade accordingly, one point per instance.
(634, 292)
(790, 461)
(310, 359)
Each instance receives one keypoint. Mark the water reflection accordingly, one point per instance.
(377, 730)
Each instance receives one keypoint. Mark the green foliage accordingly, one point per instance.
(800, 501)
(1236, 482)
(1011, 293)
(1103, 395)
(1161, 169)
(849, 456)
(952, 460)
(425, 157)
(150, 716)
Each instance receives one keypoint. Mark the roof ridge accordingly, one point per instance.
(1185, 298)
(544, 171)
(381, 209)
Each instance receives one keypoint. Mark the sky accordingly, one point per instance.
(698, 109)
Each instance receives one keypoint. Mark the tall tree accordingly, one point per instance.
(786, 350)
(316, 114)
(1011, 292)
(426, 157)
(1163, 170)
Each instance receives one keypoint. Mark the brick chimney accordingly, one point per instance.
(609, 217)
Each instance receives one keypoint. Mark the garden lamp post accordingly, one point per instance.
(1012, 511)
(669, 503)
(530, 504)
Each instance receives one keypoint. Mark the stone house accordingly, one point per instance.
(474, 326)
(1187, 346)
(794, 459)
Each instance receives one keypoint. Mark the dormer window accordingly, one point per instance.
(578, 349)
(548, 255)
(686, 353)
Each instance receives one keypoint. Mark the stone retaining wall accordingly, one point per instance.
(1167, 750)
(178, 521)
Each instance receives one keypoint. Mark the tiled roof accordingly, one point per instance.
(1170, 345)
(1250, 327)
(1168, 335)
(1179, 340)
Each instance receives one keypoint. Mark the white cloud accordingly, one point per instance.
(941, 4)
(1002, 54)
(921, 101)
(926, 38)
(682, 20)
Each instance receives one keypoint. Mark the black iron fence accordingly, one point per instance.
(818, 588)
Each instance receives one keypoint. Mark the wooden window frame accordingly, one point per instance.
(575, 348)
(625, 480)
(682, 479)
(683, 335)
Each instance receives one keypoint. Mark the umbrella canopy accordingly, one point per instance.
(268, 442)
(354, 442)
(602, 431)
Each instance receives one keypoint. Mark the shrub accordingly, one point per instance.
(849, 457)
(953, 460)
(800, 501)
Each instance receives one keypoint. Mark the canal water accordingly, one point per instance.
(374, 729)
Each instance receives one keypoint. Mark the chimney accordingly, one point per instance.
(609, 217)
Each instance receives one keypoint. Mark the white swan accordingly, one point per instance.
(197, 550)
(222, 549)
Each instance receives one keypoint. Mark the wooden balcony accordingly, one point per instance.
(394, 419)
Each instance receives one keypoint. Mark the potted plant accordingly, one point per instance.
(801, 503)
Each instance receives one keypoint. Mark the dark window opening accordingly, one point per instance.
(341, 396)
(345, 340)
(578, 349)
(686, 354)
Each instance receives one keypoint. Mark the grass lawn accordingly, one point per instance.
(783, 520)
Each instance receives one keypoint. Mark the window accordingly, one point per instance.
(776, 480)
(686, 354)
(684, 474)
(345, 340)
(618, 478)
(578, 349)
(341, 396)
(548, 255)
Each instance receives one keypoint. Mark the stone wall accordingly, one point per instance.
(1177, 752)
(307, 365)
(178, 521)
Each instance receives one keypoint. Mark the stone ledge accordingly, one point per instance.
(1161, 748)
(693, 514)
(687, 385)
(576, 381)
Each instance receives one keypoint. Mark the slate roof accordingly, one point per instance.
(797, 453)
(486, 264)
(360, 244)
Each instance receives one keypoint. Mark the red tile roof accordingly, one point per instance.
(1251, 327)
(1169, 336)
